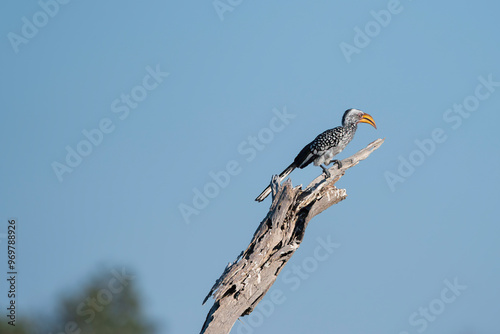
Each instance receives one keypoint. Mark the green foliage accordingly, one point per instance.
(108, 304)
(105, 306)
(21, 327)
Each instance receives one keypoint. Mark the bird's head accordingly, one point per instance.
(355, 116)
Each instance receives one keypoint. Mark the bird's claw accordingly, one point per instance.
(338, 162)
(326, 172)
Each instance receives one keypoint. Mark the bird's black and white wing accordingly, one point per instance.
(322, 145)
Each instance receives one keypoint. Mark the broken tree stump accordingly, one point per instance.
(245, 281)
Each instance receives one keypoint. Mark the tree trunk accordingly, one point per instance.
(244, 282)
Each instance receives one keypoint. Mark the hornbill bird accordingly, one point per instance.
(325, 146)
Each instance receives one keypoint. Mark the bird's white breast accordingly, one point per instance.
(325, 157)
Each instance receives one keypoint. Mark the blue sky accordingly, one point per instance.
(177, 90)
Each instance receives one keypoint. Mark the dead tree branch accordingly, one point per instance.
(245, 281)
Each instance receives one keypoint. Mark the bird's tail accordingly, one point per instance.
(283, 176)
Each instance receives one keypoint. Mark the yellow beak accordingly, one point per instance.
(368, 119)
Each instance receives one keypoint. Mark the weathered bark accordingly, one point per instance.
(245, 281)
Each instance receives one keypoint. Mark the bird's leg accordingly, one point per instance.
(326, 171)
(339, 164)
